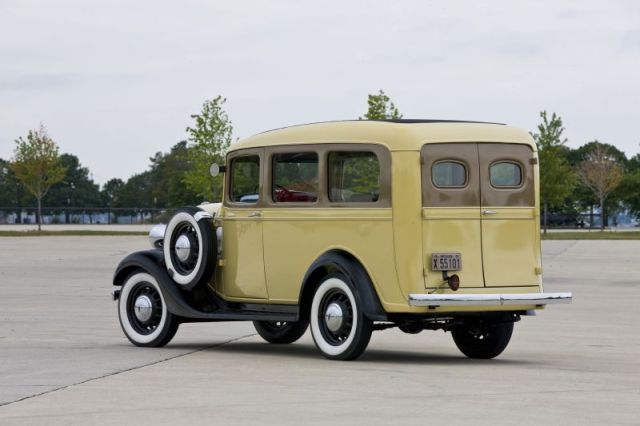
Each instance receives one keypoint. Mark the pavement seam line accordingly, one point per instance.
(566, 249)
(115, 373)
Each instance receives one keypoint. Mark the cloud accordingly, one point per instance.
(109, 78)
(36, 82)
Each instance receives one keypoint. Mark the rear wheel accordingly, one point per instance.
(338, 326)
(143, 313)
(482, 340)
(280, 332)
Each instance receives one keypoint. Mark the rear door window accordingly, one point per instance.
(449, 174)
(505, 174)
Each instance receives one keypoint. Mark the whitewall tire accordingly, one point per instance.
(143, 313)
(338, 326)
(190, 247)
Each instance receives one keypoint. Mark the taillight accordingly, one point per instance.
(454, 282)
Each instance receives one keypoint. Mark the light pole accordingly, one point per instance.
(72, 186)
(4, 171)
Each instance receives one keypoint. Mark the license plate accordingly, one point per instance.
(446, 261)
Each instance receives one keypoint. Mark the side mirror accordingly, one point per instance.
(216, 169)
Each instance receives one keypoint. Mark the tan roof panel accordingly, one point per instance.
(405, 135)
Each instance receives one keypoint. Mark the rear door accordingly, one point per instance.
(451, 210)
(509, 224)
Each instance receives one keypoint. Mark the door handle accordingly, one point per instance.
(488, 212)
(255, 214)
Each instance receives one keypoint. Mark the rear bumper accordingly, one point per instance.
(470, 299)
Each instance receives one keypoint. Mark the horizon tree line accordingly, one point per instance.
(571, 180)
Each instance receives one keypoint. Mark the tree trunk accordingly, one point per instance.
(601, 213)
(591, 216)
(545, 216)
(39, 214)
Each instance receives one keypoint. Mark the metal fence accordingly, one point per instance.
(83, 215)
(141, 216)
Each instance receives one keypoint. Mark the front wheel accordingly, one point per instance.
(481, 340)
(280, 332)
(339, 328)
(143, 313)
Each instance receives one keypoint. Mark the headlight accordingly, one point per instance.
(156, 235)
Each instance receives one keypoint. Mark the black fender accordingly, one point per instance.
(152, 261)
(344, 262)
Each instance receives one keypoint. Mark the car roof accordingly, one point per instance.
(396, 135)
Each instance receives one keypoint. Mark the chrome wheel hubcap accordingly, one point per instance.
(183, 248)
(143, 308)
(333, 317)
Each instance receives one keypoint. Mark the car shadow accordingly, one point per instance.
(309, 351)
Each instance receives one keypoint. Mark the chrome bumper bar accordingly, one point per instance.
(469, 299)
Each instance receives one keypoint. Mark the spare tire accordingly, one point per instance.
(190, 247)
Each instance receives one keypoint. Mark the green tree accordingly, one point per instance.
(556, 177)
(602, 173)
(630, 186)
(37, 165)
(168, 172)
(629, 191)
(136, 193)
(380, 107)
(110, 194)
(209, 139)
(582, 195)
(76, 190)
(11, 190)
(633, 164)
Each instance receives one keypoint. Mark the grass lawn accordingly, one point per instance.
(67, 233)
(593, 235)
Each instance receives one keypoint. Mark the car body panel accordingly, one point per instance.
(243, 271)
(295, 237)
(392, 244)
(394, 136)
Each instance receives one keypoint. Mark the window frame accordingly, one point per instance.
(323, 149)
(227, 201)
(454, 161)
(507, 161)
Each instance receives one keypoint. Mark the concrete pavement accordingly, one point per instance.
(64, 360)
(77, 227)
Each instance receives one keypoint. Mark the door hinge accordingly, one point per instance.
(538, 270)
(533, 161)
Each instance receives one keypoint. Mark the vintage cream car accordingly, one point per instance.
(351, 227)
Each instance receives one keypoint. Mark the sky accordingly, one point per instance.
(115, 82)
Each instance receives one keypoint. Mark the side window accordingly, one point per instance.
(295, 177)
(245, 179)
(354, 177)
(449, 174)
(505, 174)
